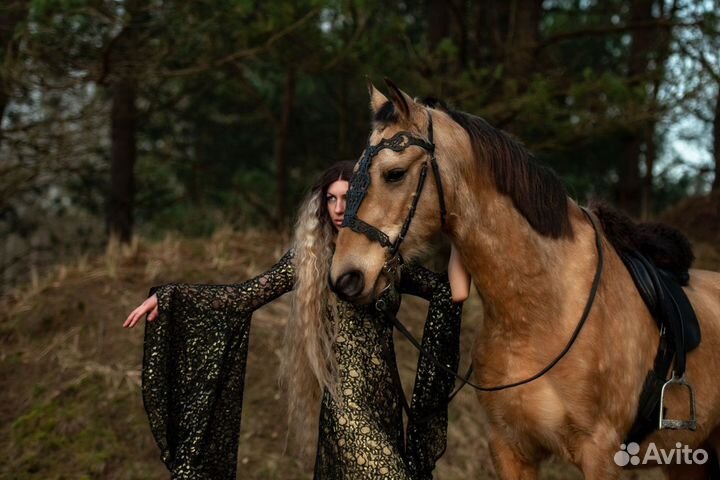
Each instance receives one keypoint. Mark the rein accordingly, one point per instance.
(359, 185)
(465, 380)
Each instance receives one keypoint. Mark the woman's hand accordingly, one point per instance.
(459, 277)
(148, 306)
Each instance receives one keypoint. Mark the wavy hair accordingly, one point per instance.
(309, 364)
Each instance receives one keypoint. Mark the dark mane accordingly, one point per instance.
(536, 191)
(664, 245)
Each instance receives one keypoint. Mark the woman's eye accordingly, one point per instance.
(330, 199)
(395, 175)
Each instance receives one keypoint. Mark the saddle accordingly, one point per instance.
(662, 292)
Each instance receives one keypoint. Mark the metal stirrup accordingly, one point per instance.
(675, 424)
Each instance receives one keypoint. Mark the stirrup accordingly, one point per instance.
(673, 424)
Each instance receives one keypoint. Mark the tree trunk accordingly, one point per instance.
(281, 140)
(123, 63)
(716, 142)
(491, 32)
(649, 52)
(4, 99)
(343, 118)
(446, 20)
(647, 190)
(438, 23)
(522, 39)
(630, 185)
(123, 155)
(10, 16)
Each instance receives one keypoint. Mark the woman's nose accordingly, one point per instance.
(340, 207)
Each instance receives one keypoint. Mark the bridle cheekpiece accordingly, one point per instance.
(360, 183)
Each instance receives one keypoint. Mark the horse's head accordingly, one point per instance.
(394, 202)
(398, 192)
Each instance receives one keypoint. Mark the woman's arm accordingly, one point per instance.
(419, 281)
(459, 276)
(238, 299)
(195, 356)
(266, 287)
(427, 427)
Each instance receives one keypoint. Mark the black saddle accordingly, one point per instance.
(662, 292)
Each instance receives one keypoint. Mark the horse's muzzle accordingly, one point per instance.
(349, 285)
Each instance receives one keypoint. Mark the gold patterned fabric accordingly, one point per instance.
(194, 366)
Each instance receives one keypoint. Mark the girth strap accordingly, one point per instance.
(586, 313)
(679, 334)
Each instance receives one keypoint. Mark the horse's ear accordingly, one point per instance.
(402, 101)
(377, 99)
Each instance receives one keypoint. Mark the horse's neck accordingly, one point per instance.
(523, 277)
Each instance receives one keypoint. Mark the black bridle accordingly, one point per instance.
(360, 183)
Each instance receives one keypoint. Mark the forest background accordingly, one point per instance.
(131, 116)
(187, 131)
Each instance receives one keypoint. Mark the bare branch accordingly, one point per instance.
(245, 53)
(616, 29)
(700, 57)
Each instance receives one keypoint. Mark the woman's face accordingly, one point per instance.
(335, 200)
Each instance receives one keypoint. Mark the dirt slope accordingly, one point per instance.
(70, 376)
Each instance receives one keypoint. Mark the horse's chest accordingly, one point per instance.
(535, 410)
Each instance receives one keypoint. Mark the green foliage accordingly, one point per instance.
(215, 79)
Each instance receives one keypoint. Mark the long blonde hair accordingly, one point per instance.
(309, 364)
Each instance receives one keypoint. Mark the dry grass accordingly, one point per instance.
(69, 373)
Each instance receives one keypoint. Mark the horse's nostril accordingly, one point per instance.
(350, 284)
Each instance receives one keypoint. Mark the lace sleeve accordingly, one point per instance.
(194, 362)
(237, 299)
(419, 281)
(427, 427)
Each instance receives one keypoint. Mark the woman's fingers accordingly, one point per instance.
(135, 316)
(129, 321)
(134, 319)
(149, 305)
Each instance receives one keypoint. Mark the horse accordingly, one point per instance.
(534, 256)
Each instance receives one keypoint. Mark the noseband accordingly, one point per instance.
(360, 183)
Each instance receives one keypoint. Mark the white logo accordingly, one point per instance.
(680, 455)
(627, 454)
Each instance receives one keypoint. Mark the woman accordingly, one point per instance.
(337, 354)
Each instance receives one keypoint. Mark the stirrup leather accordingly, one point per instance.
(674, 424)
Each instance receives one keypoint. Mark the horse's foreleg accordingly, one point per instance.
(595, 456)
(508, 461)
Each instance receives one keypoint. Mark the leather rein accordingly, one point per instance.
(359, 185)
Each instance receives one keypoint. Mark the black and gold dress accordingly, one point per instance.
(194, 366)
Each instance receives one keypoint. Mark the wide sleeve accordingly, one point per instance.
(194, 368)
(427, 425)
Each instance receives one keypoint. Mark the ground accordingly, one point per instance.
(70, 375)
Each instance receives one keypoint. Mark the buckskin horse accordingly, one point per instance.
(567, 341)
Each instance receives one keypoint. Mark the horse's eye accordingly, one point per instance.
(395, 175)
